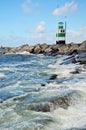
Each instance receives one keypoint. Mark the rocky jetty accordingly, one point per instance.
(54, 49)
(45, 48)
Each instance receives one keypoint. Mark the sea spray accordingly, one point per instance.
(22, 76)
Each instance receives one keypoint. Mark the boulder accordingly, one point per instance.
(49, 49)
(44, 46)
(82, 46)
(43, 84)
(63, 101)
(73, 51)
(31, 49)
(55, 48)
(77, 71)
(9, 50)
(54, 76)
(26, 48)
(37, 49)
(1, 53)
(62, 48)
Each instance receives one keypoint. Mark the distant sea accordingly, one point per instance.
(25, 80)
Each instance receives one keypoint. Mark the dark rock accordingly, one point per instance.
(1, 101)
(75, 72)
(54, 53)
(82, 62)
(42, 84)
(69, 59)
(72, 52)
(81, 57)
(54, 76)
(44, 107)
(1, 53)
(47, 53)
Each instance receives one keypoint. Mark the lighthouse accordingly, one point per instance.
(61, 33)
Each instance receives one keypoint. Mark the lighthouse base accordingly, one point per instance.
(60, 42)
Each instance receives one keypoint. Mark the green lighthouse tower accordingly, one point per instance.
(61, 33)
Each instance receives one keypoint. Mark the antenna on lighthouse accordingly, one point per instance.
(65, 27)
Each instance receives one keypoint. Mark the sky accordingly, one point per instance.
(36, 21)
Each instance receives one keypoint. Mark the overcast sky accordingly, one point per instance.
(36, 21)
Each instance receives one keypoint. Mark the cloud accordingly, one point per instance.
(28, 6)
(67, 7)
(28, 1)
(38, 36)
(41, 27)
(83, 29)
(25, 8)
(76, 35)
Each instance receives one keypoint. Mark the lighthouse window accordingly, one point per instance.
(62, 30)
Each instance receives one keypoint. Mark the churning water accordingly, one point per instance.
(25, 80)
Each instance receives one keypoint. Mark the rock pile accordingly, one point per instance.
(45, 48)
(54, 49)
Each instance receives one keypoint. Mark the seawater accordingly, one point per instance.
(25, 79)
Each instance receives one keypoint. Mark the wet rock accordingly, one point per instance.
(81, 58)
(43, 84)
(44, 107)
(69, 59)
(1, 101)
(82, 62)
(72, 52)
(48, 53)
(75, 72)
(1, 53)
(54, 76)
(63, 101)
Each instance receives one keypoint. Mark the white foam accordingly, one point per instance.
(62, 70)
(73, 117)
(24, 53)
(2, 75)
